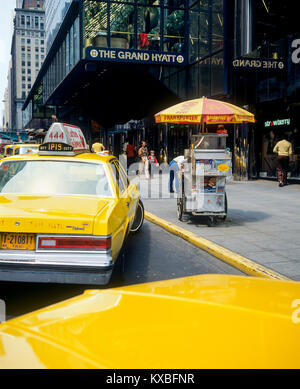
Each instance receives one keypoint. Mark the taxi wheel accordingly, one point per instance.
(139, 218)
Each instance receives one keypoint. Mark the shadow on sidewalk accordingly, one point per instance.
(236, 217)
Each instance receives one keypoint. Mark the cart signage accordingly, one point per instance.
(223, 167)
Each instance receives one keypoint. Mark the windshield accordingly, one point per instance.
(54, 178)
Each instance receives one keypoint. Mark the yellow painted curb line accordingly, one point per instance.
(238, 261)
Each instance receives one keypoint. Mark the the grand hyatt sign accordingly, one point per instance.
(137, 56)
(257, 64)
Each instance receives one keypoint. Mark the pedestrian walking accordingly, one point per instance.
(162, 153)
(175, 166)
(152, 163)
(143, 159)
(283, 148)
(125, 144)
(130, 151)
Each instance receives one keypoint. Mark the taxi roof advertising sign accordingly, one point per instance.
(67, 135)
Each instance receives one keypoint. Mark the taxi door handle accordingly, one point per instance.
(127, 203)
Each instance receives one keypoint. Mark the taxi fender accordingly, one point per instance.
(112, 220)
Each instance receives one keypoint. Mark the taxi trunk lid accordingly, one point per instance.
(47, 214)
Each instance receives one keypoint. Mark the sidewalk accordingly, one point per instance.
(263, 221)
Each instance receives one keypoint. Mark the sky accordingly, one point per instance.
(6, 13)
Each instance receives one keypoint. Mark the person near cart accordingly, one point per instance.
(152, 163)
(130, 151)
(174, 168)
(283, 148)
(143, 159)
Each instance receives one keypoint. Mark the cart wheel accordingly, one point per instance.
(212, 221)
(224, 217)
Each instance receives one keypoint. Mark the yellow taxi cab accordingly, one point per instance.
(208, 321)
(8, 150)
(25, 148)
(65, 212)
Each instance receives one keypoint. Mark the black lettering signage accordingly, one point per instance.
(136, 56)
(258, 64)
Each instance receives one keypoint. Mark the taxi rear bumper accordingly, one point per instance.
(66, 267)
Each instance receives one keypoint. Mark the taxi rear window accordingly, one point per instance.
(27, 149)
(54, 178)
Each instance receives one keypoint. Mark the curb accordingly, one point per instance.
(236, 260)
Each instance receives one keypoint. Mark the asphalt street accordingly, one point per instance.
(151, 255)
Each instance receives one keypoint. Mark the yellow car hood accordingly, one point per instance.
(209, 321)
(50, 214)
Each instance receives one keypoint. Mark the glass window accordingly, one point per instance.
(148, 28)
(28, 41)
(174, 30)
(217, 31)
(118, 174)
(62, 178)
(76, 40)
(67, 52)
(71, 47)
(121, 25)
(95, 23)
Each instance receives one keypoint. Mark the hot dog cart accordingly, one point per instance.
(202, 189)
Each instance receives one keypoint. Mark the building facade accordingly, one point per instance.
(6, 112)
(111, 65)
(28, 53)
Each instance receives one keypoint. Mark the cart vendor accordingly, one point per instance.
(175, 166)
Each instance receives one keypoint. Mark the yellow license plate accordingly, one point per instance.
(11, 241)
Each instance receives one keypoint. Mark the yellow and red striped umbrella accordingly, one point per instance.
(204, 110)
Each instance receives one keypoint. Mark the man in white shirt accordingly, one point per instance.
(175, 166)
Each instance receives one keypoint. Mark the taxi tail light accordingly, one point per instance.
(75, 243)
